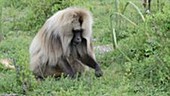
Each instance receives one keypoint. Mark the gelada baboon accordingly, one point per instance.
(64, 45)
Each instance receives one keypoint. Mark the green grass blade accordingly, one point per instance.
(114, 38)
(1, 4)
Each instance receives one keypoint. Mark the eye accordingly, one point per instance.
(77, 30)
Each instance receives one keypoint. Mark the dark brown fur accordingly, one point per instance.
(147, 5)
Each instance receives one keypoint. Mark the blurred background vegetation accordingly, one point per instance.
(139, 65)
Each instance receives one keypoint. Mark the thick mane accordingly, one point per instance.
(60, 25)
(63, 45)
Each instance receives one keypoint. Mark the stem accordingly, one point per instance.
(127, 19)
(137, 9)
(114, 38)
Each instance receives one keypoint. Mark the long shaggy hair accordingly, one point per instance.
(53, 41)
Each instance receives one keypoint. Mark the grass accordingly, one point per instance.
(139, 66)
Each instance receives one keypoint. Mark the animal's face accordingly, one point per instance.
(77, 36)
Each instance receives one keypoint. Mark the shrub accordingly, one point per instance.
(144, 55)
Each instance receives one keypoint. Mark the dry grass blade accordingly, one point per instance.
(127, 19)
(140, 13)
(117, 10)
(117, 5)
(7, 63)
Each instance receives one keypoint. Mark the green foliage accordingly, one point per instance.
(13, 80)
(41, 10)
(36, 12)
(140, 66)
(147, 52)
